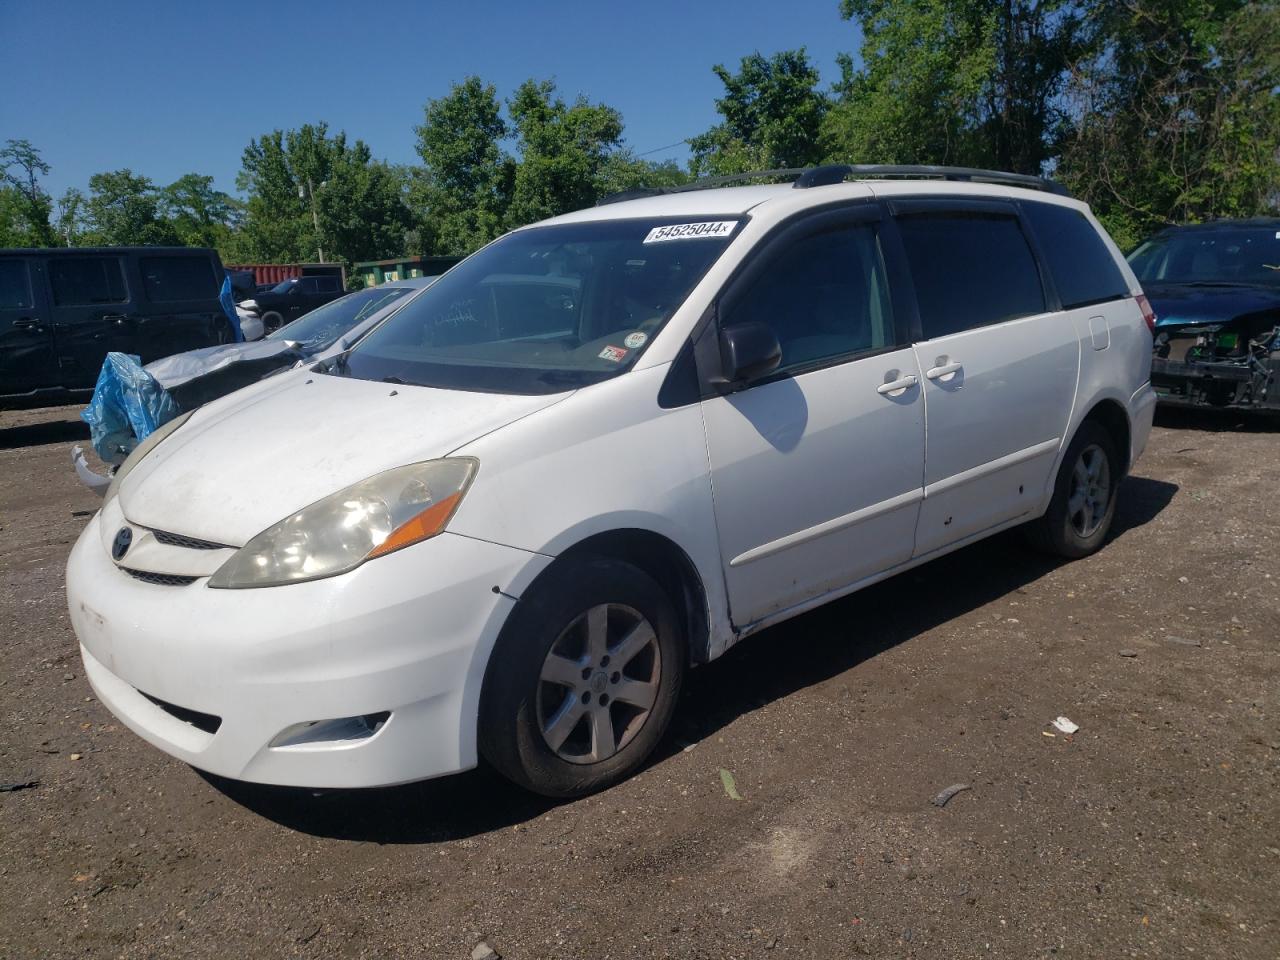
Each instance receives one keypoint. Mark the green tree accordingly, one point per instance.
(313, 195)
(1177, 119)
(563, 149)
(24, 220)
(623, 170)
(201, 215)
(124, 208)
(70, 218)
(970, 82)
(462, 190)
(773, 113)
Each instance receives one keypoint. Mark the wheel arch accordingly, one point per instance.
(1113, 418)
(664, 560)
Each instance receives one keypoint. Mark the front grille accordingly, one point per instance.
(159, 579)
(190, 543)
(201, 721)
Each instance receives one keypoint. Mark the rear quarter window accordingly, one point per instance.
(86, 281)
(172, 278)
(1082, 267)
(969, 270)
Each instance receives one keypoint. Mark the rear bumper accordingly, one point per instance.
(236, 671)
(1142, 410)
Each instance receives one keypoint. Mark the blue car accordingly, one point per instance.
(1215, 289)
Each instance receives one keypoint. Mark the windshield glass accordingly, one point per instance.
(283, 286)
(1249, 255)
(545, 309)
(324, 325)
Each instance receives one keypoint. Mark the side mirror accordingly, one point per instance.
(748, 350)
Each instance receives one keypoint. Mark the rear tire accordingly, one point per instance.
(1084, 496)
(584, 678)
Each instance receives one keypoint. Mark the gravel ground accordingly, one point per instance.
(1151, 832)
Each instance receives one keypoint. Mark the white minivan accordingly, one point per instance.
(602, 450)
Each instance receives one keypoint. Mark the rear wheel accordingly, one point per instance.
(1084, 496)
(584, 679)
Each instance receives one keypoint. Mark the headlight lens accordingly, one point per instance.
(342, 531)
(140, 451)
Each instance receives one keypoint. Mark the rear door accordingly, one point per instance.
(816, 468)
(1000, 364)
(28, 359)
(93, 311)
(181, 309)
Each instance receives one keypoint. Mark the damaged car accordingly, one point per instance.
(1215, 288)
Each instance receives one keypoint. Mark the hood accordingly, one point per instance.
(246, 461)
(1180, 304)
(178, 369)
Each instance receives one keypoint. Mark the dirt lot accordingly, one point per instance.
(1152, 832)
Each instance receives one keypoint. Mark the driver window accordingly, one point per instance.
(825, 296)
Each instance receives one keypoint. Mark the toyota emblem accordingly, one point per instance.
(120, 545)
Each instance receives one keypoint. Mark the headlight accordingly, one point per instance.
(342, 531)
(140, 451)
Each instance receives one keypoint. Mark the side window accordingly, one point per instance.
(969, 270)
(327, 284)
(15, 285)
(825, 296)
(167, 279)
(86, 281)
(1082, 266)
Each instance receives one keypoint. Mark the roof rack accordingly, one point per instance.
(806, 177)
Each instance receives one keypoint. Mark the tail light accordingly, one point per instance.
(1148, 315)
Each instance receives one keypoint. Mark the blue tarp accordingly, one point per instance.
(128, 404)
(229, 307)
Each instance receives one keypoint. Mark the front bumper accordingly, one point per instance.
(409, 633)
(1224, 385)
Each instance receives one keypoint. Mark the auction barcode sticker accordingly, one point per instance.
(691, 231)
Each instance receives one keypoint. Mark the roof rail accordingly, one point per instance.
(806, 177)
(839, 172)
(705, 183)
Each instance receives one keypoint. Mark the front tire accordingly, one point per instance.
(1084, 496)
(584, 678)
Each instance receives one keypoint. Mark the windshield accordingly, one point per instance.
(545, 309)
(1245, 255)
(324, 325)
(284, 286)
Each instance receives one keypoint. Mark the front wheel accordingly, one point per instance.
(584, 679)
(1084, 496)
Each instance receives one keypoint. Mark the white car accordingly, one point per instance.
(599, 451)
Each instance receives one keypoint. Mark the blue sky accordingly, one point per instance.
(168, 88)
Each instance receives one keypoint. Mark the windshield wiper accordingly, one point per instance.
(395, 380)
(562, 378)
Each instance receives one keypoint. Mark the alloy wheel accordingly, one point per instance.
(1090, 491)
(599, 683)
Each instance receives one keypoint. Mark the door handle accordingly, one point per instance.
(896, 388)
(119, 319)
(945, 369)
(28, 323)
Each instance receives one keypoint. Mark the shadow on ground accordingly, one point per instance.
(1215, 420)
(62, 430)
(763, 668)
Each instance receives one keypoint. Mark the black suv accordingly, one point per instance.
(62, 310)
(290, 299)
(1215, 288)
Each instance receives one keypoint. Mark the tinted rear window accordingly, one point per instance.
(15, 289)
(85, 281)
(969, 270)
(178, 278)
(1082, 267)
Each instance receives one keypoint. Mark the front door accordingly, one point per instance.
(180, 308)
(816, 470)
(27, 356)
(999, 364)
